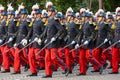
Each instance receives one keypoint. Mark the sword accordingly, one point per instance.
(4, 43)
(65, 46)
(111, 45)
(98, 46)
(75, 49)
(13, 47)
(26, 46)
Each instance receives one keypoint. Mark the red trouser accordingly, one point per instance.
(33, 58)
(41, 59)
(69, 59)
(91, 59)
(8, 57)
(61, 54)
(51, 57)
(19, 58)
(82, 60)
(75, 56)
(97, 54)
(115, 59)
(1, 55)
(107, 55)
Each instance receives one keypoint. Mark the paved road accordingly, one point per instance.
(59, 76)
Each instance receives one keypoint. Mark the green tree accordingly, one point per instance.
(62, 5)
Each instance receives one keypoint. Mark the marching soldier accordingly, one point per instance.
(21, 42)
(102, 40)
(35, 47)
(88, 44)
(1, 10)
(3, 34)
(72, 28)
(111, 23)
(62, 40)
(8, 55)
(116, 46)
(54, 30)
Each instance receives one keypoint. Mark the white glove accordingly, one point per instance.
(85, 43)
(10, 39)
(24, 42)
(110, 42)
(119, 41)
(82, 41)
(53, 39)
(45, 41)
(1, 41)
(15, 45)
(77, 46)
(29, 40)
(36, 39)
(39, 41)
(105, 40)
(73, 42)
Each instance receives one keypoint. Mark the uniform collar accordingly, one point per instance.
(12, 19)
(71, 22)
(37, 19)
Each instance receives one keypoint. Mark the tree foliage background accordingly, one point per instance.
(62, 5)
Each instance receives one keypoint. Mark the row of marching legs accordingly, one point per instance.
(51, 59)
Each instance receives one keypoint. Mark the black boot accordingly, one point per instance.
(95, 71)
(110, 67)
(47, 76)
(101, 70)
(6, 71)
(113, 73)
(33, 74)
(66, 71)
(105, 66)
(80, 74)
(16, 73)
(26, 67)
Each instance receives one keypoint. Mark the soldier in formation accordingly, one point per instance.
(47, 40)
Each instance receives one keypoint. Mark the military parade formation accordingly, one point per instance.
(47, 40)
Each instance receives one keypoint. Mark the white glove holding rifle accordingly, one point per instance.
(24, 42)
(39, 41)
(36, 39)
(106, 40)
(53, 39)
(10, 39)
(77, 46)
(1, 40)
(73, 42)
(86, 42)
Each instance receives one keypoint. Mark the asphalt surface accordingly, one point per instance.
(59, 76)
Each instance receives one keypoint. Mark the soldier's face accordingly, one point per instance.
(49, 13)
(25, 16)
(44, 19)
(1, 17)
(12, 16)
(86, 18)
(83, 19)
(68, 18)
(5, 17)
(100, 19)
(22, 16)
(9, 16)
(118, 17)
(90, 18)
(109, 20)
(72, 18)
(38, 15)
